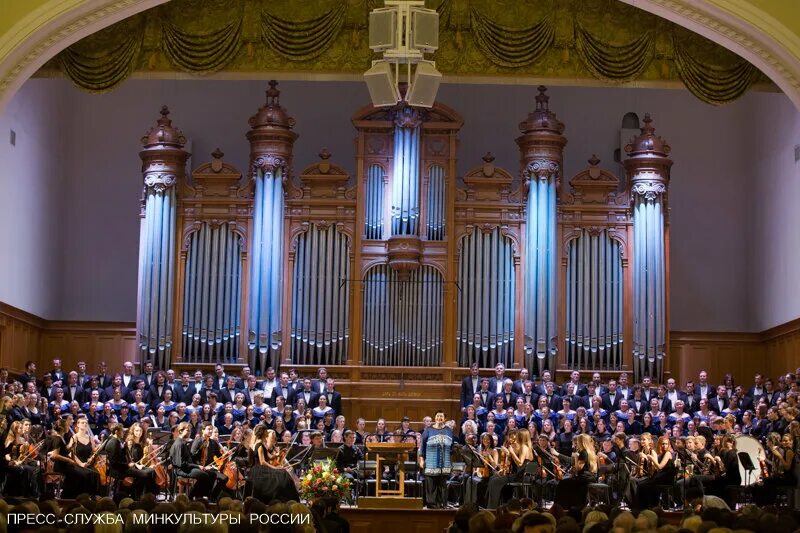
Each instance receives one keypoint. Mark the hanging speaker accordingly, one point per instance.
(425, 27)
(426, 85)
(380, 82)
(383, 29)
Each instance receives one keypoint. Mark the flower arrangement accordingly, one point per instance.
(324, 480)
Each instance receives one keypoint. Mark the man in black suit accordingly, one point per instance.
(73, 391)
(599, 388)
(487, 398)
(664, 404)
(184, 391)
(508, 394)
(692, 402)
(128, 379)
(519, 384)
(673, 394)
(470, 385)
(227, 394)
(575, 401)
(29, 374)
(496, 383)
(103, 379)
(83, 378)
(284, 389)
(198, 382)
(294, 380)
(116, 381)
(146, 397)
(577, 387)
(703, 389)
(757, 390)
(553, 399)
(311, 397)
(269, 384)
(220, 378)
(648, 391)
(770, 395)
(147, 376)
(528, 395)
(241, 383)
(541, 388)
(720, 401)
(59, 376)
(334, 398)
(610, 400)
(318, 385)
(623, 387)
(47, 390)
(156, 390)
(251, 389)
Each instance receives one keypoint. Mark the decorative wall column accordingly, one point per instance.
(541, 145)
(271, 141)
(163, 166)
(647, 168)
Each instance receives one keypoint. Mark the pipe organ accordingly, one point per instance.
(404, 263)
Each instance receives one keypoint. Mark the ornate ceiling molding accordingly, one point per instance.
(734, 24)
(742, 28)
(52, 27)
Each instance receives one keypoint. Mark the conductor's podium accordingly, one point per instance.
(394, 453)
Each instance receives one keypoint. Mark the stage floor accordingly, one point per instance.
(397, 520)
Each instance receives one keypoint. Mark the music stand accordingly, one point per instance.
(159, 436)
(747, 464)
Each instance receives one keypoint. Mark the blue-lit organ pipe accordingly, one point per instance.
(266, 280)
(320, 297)
(402, 323)
(539, 325)
(594, 303)
(485, 326)
(436, 204)
(157, 276)
(649, 286)
(373, 225)
(405, 181)
(212, 295)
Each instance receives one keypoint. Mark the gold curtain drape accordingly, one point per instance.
(475, 39)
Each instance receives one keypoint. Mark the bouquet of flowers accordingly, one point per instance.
(324, 480)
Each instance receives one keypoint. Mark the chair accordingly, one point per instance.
(526, 483)
(598, 493)
(53, 479)
(665, 496)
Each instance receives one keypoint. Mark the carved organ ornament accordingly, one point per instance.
(403, 264)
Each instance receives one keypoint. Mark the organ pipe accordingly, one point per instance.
(647, 167)
(212, 285)
(374, 203)
(436, 208)
(405, 180)
(264, 340)
(486, 308)
(320, 299)
(163, 162)
(540, 274)
(594, 301)
(402, 324)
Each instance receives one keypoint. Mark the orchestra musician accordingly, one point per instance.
(348, 457)
(661, 468)
(270, 475)
(139, 454)
(205, 449)
(476, 485)
(572, 490)
(783, 471)
(726, 470)
(19, 462)
(517, 453)
(81, 479)
(184, 465)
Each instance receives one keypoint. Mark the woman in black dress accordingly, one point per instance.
(270, 479)
(571, 491)
(141, 477)
(77, 478)
(662, 466)
(519, 452)
(783, 471)
(18, 464)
